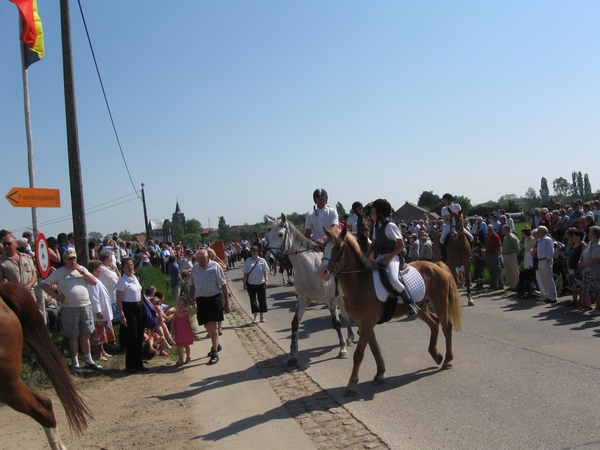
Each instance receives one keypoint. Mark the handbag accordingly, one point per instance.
(149, 314)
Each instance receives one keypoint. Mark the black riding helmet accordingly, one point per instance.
(448, 196)
(356, 206)
(383, 207)
(319, 193)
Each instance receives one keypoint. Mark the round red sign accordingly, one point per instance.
(42, 256)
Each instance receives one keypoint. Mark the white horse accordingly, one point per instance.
(305, 256)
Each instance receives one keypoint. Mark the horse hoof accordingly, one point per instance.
(349, 392)
(471, 303)
(343, 355)
(377, 381)
(447, 365)
(438, 359)
(349, 342)
(291, 362)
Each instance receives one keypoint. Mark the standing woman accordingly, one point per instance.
(129, 304)
(591, 271)
(256, 280)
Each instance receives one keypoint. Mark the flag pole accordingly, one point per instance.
(41, 304)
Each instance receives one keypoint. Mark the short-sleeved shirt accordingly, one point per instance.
(319, 219)
(592, 251)
(207, 281)
(174, 273)
(352, 223)
(72, 285)
(492, 243)
(256, 274)
(131, 288)
(17, 271)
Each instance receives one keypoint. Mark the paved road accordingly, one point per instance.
(526, 375)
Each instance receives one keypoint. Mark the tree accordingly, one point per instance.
(544, 190)
(172, 232)
(580, 184)
(507, 198)
(430, 201)
(340, 210)
(94, 236)
(587, 187)
(192, 240)
(464, 202)
(125, 235)
(531, 198)
(224, 230)
(561, 187)
(574, 190)
(192, 226)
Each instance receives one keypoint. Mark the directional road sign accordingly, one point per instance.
(34, 197)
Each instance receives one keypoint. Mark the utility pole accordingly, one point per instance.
(77, 207)
(145, 216)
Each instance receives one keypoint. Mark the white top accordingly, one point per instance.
(109, 279)
(256, 275)
(72, 285)
(446, 212)
(319, 219)
(100, 302)
(352, 223)
(131, 288)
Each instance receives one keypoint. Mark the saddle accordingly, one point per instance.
(392, 300)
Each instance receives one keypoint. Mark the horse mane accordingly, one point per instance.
(366, 263)
(302, 242)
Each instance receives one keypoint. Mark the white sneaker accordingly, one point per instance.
(262, 319)
(255, 321)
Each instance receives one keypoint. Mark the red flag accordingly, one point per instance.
(32, 34)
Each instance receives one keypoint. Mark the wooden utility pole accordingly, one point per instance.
(77, 206)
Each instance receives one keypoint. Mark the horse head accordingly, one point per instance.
(456, 223)
(332, 253)
(276, 238)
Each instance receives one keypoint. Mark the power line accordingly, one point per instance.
(104, 94)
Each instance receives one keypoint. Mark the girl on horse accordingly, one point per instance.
(389, 243)
(449, 206)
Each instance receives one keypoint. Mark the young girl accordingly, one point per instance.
(182, 330)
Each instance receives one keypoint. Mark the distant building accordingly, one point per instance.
(178, 216)
(410, 211)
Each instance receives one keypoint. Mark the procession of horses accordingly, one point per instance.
(337, 275)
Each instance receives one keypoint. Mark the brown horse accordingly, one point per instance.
(458, 252)
(344, 258)
(20, 320)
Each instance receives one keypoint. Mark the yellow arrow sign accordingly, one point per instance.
(34, 197)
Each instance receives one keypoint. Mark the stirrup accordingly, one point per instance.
(411, 309)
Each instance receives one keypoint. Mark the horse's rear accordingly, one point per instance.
(21, 321)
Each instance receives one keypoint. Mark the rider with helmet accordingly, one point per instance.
(352, 222)
(322, 216)
(449, 206)
(389, 243)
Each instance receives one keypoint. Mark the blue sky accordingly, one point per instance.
(240, 109)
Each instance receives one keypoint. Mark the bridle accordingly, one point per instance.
(284, 244)
(334, 266)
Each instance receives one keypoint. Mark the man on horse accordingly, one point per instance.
(449, 206)
(322, 216)
(389, 243)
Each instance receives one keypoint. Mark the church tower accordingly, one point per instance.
(178, 216)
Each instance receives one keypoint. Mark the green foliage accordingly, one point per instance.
(96, 237)
(430, 201)
(224, 230)
(544, 190)
(149, 275)
(296, 219)
(193, 226)
(464, 202)
(561, 187)
(340, 209)
(192, 240)
(125, 235)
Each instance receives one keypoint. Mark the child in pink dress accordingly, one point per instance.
(182, 330)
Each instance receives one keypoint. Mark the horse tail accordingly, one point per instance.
(454, 309)
(35, 335)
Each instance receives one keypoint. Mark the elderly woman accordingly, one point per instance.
(591, 271)
(573, 250)
(129, 305)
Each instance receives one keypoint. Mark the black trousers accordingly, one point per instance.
(257, 291)
(132, 336)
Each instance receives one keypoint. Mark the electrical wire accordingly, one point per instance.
(105, 97)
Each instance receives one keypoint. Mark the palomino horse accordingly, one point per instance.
(458, 252)
(305, 256)
(344, 258)
(20, 320)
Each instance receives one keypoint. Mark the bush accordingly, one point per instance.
(149, 275)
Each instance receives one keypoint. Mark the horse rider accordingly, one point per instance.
(322, 216)
(389, 243)
(450, 206)
(352, 222)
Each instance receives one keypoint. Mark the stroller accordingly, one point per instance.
(527, 283)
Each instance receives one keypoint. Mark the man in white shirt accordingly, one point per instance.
(321, 217)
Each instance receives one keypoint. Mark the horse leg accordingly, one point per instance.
(54, 439)
(447, 330)
(337, 325)
(374, 346)
(350, 338)
(470, 301)
(434, 326)
(302, 304)
(365, 337)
